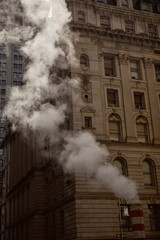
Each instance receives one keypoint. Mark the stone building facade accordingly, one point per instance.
(119, 53)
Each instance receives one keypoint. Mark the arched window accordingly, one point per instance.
(84, 61)
(121, 165)
(142, 129)
(81, 17)
(115, 128)
(148, 173)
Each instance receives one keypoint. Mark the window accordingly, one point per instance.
(157, 72)
(19, 83)
(152, 29)
(14, 83)
(84, 61)
(3, 73)
(108, 2)
(112, 98)
(125, 217)
(20, 58)
(15, 66)
(129, 26)
(88, 122)
(2, 101)
(139, 101)
(3, 91)
(148, 173)
(121, 165)
(4, 65)
(18, 20)
(109, 66)
(2, 121)
(15, 74)
(134, 69)
(20, 66)
(154, 216)
(146, 6)
(125, 3)
(1, 130)
(15, 57)
(1, 152)
(105, 22)
(114, 128)
(3, 82)
(81, 17)
(142, 129)
(20, 75)
(1, 139)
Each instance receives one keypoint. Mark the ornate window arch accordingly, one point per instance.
(81, 17)
(115, 127)
(84, 61)
(121, 164)
(149, 172)
(142, 129)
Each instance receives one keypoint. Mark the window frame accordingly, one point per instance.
(112, 67)
(151, 173)
(139, 104)
(116, 99)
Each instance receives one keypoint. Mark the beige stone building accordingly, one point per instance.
(119, 52)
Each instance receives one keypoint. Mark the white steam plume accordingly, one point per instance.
(40, 105)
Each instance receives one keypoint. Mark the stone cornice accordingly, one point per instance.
(117, 35)
(119, 11)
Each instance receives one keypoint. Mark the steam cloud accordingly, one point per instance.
(40, 105)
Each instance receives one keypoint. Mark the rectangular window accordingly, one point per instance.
(157, 72)
(4, 65)
(146, 6)
(1, 152)
(15, 75)
(3, 82)
(2, 121)
(125, 217)
(20, 66)
(105, 22)
(88, 122)
(109, 66)
(15, 57)
(154, 216)
(152, 30)
(142, 132)
(114, 131)
(2, 101)
(20, 58)
(3, 91)
(112, 98)
(20, 75)
(125, 3)
(15, 66)
(129, 26)
(1, 130)
(134, 69)
(14, 83)
(139, 100)
(3, 74)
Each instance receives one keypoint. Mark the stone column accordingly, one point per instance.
(127, 98)
(153, 103)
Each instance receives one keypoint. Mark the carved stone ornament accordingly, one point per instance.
(123, 59)
(86, 86)
(148, 62)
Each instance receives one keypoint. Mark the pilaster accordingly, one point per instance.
(155, 116)
(127, 103)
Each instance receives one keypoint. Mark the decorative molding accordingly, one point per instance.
(148, 62)
(123, 59)
(87, 110)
